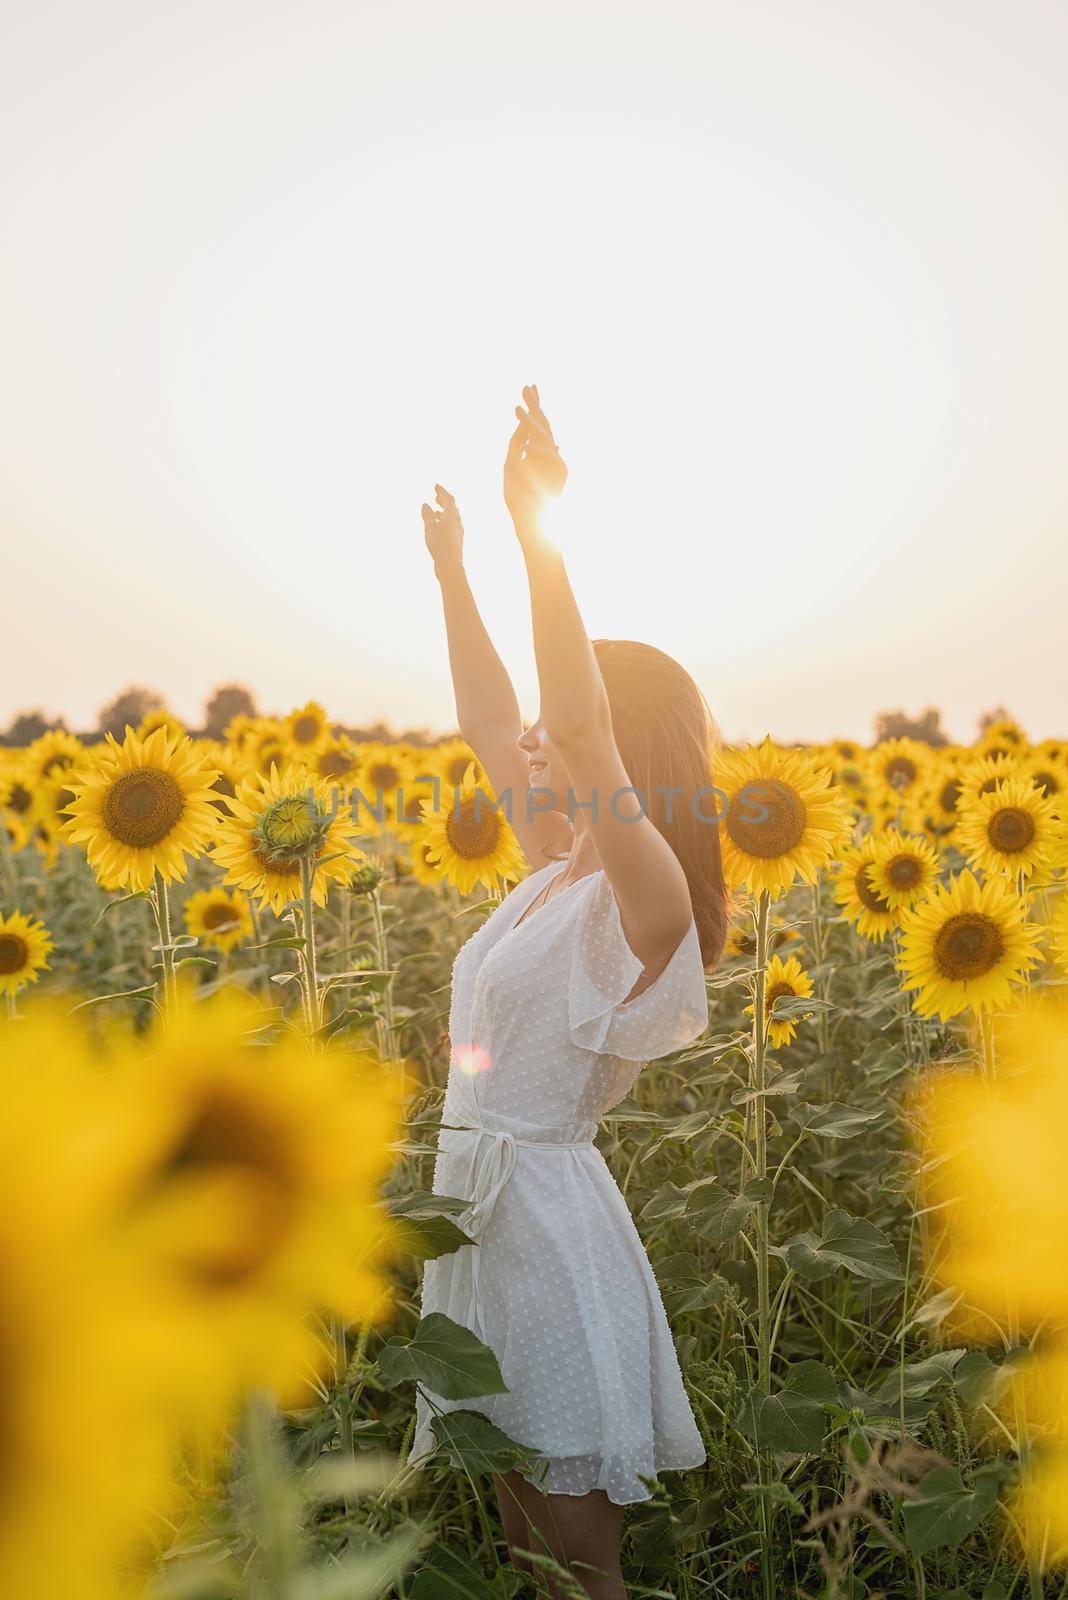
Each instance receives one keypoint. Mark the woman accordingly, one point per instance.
(590, 967)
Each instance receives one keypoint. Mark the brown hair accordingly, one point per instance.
(667, 738)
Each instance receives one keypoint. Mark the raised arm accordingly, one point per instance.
(646, 876)
(487, 710)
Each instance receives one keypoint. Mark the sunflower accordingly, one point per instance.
(423, 869)
(470, 840)
(306, 729)
(335, 760)
(966, 946)
(16, 790)
(1012, 829)
(900, 764)
(1048, 773)
(142, 808)
(784, 980)
(275, 821)
(18, 834)
(451, 759)
(1003, 736)
(783, 819)
(217, 918)
(83, 1424)
(55, 752)
(408, 818)
(981, 775)
(25, 945)
(51, 798)
(937, 804)
(872, 915)
(174, 726)
(384, 768)
(244, 1185)
(904, 869)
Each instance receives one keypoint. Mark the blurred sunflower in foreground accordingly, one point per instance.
(142, 807)
(995, 1183)
(193, 1205)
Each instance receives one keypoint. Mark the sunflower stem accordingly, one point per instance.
(760, 1139)
(386, 1025)
(162, 907)
(311, 974)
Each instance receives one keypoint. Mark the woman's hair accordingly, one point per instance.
(666, 737)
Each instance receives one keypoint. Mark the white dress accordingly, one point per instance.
(559, 1285)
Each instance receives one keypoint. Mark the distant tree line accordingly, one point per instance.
(227, 702)
(232, 699)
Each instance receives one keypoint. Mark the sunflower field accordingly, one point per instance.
(224, 1048)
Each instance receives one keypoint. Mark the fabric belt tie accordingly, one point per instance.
(493, 1173)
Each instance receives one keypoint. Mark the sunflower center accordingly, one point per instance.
(967, 946)
(54, 762)
(949, 794)
(866, 894)
(141, 807)
(900, 772)
(456, 769)
(903, 872)
(280, 866)
(1046, 782)
(473, 829)
(305, 730)
(223, 1136)
(335, 764)
(776, 834)
(383, 775)
(218, 915)
(778, 991)
(14, 953)
(20, 799)
(290, 822)
(1011, 830)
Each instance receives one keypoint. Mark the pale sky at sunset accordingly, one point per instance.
(792, 280)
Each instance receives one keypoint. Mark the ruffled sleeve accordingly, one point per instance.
(671, 1012)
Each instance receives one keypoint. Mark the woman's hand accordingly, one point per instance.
(534, 469)
(443, 530)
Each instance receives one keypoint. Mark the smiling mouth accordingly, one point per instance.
(534, 768)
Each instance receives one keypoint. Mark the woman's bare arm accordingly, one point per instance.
(487, 710)
(646, 875)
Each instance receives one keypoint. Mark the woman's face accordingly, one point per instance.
(545, 769)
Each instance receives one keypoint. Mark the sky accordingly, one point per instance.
(790, 279)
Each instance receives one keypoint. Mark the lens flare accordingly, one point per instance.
(470, 1058)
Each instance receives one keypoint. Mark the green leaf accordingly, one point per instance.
(844, 1243)
(686, 1286)
(477, 1443)
(448, 1576)
(428, 1237)
(917, 1378)
(445, 1357)
(947, 1511)
(787, 1421)
(833, 1121)
(812, 1379)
